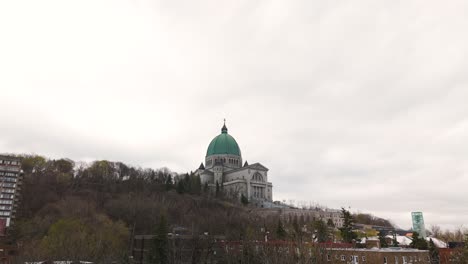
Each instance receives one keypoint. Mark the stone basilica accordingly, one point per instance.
(223, 166)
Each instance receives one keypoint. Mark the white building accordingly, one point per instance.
(223, 167)
(288, 214)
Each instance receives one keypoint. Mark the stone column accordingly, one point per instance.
(248, 189)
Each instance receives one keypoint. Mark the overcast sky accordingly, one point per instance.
(348, 103)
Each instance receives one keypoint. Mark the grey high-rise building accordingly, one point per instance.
(10, 182)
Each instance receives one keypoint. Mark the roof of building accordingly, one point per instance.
(207, 172)
(255, 166)
(8, 157)
(389, 249)
(402, 240)
(223, 144)
(406, 241)
(437, 242)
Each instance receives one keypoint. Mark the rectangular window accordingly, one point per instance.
(355, 259)
(385, 260)
(343, 258)
(7, 179)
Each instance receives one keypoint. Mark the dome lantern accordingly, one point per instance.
(224, 129)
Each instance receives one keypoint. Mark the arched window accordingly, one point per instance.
(257, 177)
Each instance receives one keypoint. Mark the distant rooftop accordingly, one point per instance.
(389, 249)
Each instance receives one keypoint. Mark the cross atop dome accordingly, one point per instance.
(224, 129)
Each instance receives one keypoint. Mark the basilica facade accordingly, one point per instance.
(223, 167)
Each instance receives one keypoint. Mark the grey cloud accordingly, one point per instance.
(348, 104)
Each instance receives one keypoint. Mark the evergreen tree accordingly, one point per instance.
(433, 252)
(244, 200)
(280, 231)
(322, 231)
(418, 242)
(196, 184)
(180, 187)
(159, 250)
(394, 240)
(187, 184)
(347, 230)
(169, 183)
(383, 241)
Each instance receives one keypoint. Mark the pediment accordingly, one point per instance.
(257, 166)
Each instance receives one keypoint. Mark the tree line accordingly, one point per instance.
(91, 211)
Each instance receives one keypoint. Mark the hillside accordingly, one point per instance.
(90, 211)
(104, 203)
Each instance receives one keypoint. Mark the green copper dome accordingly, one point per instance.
(223, 144)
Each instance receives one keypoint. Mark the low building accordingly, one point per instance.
(452, 253)
(305, 215)
(377, 255)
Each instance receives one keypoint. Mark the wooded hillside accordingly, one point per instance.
(90, 211)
